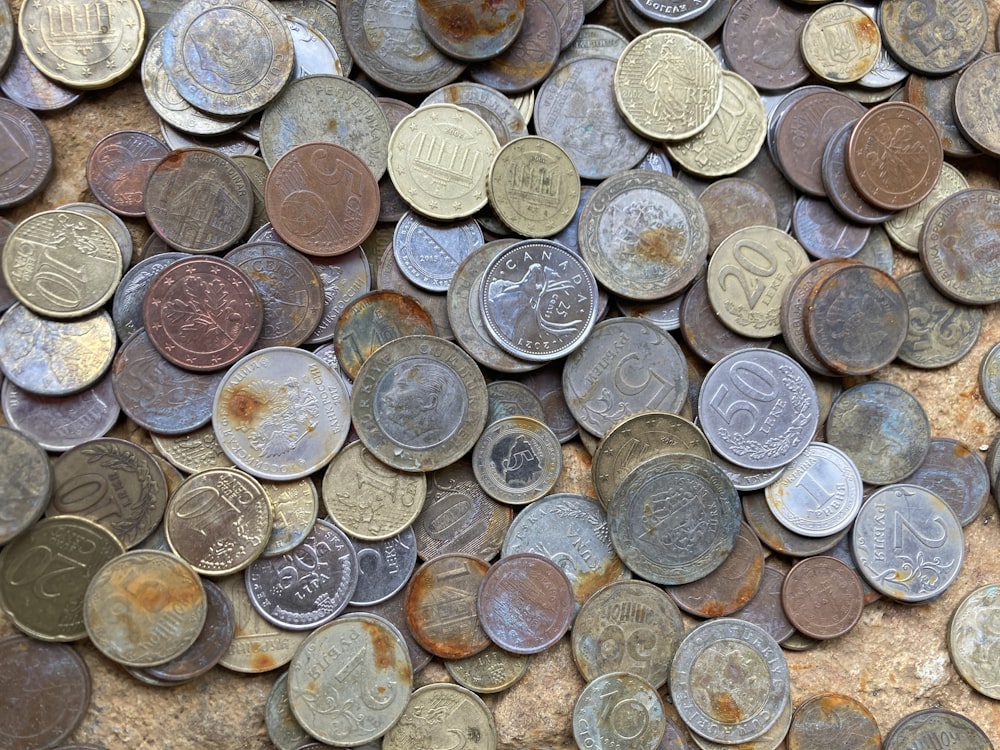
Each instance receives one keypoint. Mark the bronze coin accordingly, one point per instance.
(894, 156)
(525, 603)
(203, 313)
(322, 199)
(118, 166)
(822, 597)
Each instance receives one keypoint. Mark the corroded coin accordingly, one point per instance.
(916, 36)
(511, 398)
(619, 709)
(496, 109)
(908, 543)
(489, 671)
(281, 413)
(28, 482)
(644, 234)
(350, 680)
(973, 638)
(974, 105)
(526, 63)
(322, 198)
(758, 408)
(761, 43)
(822, 597)
(373, 320)
(930, 725)
(310, 584)
(674, 518)
(23, 83)
(794, 302)
(471, 32)
(904, 227)
(765, 609)
(193, 451)
(441, 608)
(538, 300)
(436, 714)
(758, 515)
(936, 96)
(144, 608)
(956, 474)
(283, 728)
(258, 646)
(702, 330)
(668, 84)
(428, 253)
(735, 203)
(419, 403)
(232, 74)
(202, 314)
(627, 626)
(219, 521)
(729, 681)
(822, 722)
(118, 166)
(836, 62)
(517, 459)
(45, 571)
(390, 277)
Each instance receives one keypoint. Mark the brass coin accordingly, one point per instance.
(837, 62)
(489, 671)
(905, 226)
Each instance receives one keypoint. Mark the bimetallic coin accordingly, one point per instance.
(772, 739)
(218, 521)
(908, 543)
(758, 408)
(674, 518)
(419, 403)
(118, 166)
(930, 725)
(823, 721)
(358, 662)
(619, 709)
(517, 460)
(822, 597)
(973, 638)
(436, 714)
(27, 485)
(310, 584)
(45, 571)
(144, 608)
(729, 681)
(441, 605)
(281, 413)
(258, 646)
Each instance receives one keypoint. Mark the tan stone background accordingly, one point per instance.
(895, 661)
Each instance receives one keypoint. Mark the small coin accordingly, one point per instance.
(794, 302)
(972, 639)
(619, 709)
(384, 567)
(490, 671)
(844, 197)
(258, 646)
(735, 203)
(822, 721)
(281, 413)
(438, 713)
(930, 725)
(823, 232)
(908, 543)
(313, 52)
(46, 691)
(24, 84)
(822, 597)
(827, 59)
(118, 166)
(517, 460)
(779, 538)
(940, 331)
(441, 608)
(531, 57)
(344, 278)
(144, 608)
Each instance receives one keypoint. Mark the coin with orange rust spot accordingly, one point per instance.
(441, 606)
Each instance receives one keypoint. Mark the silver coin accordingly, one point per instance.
(594, 40)
(517, 460)
(294, 509)
(314, 53)
(59, 423)
(772, 739)
(281, 413)
(343, 278)
(428, 253)
(384, 567)
(419, 403)
(322, 15)
(231, 144)
(538, 300)
(618, 710)
(510, 398)
(626, 366)
(28, 484)
(390, 276)
(908, 543)
(126, 308)
(283, 728)
(674, 518)
(758, 408)
(729, 681)
(310, 584)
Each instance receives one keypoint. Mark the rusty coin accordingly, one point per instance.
(471, 31)
(529, 59)
(375, 319)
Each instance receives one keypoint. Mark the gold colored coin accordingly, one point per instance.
(439, 160)
(294, 507)
(840, 43)
(258, 646)
(193, 451)
(904, 227)
(525, 104)
(81, 44)
(534, 187)
(732, 139)
(61, 264)
(668, 84)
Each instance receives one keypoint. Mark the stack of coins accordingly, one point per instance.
(525, 347)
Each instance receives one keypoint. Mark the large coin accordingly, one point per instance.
(419, 403)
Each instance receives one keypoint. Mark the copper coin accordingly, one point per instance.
(525, 603)
(761, 43)
(203, 313)
(373, 320)
(857, 319)
(322, 198)
(822, 597)
(441, 606)
(118, 166)
(894, 156)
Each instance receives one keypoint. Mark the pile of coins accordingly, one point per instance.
(475, 238)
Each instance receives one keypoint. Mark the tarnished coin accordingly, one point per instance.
(390, 278)
(322, 16)
(294, 508)
(7, 36)
(218, 521)
(158, 395)
(111, 481)
(28, 483)
(322, 198)
(419, 403)
(90, 49)
(658, 96)
(915, 36)
(313, 52)
(772, 739)
(517, 460)
(702, 330)
(232, 74)
(619, 709)
(192, 452)
(882, 427)
(344, 278)
(511, 398)
(822, 722)
(908, 543)
(956, 474)
(384, 567)
(45, 571)
(940, 331)
(824, 232)
(904, 227)
(758, 408)
(429, 253)
(490, 671)
(930, 725)
(843, 197)
(729, 681)
(23, 83)
(973, 105)
(818, 494)
(441, 608)
(118, 166)
(973, 638)
(794, 302)
(358, 662)
(310, 584)
(131, 292)
(748, 275)
(761, 43)
(283, 728)
(779, 538)
(256, 170)
(496, 109)
(258, 646)
(575, 108)
(674, 518)
(526, 62)
(281, 413)
(835, 62)
(470, 32)
(229, 144)
(46, 693)
(822, 597)
(735, 203)
(438, 713)
(627, 626)
(144, 608)
(373, 320)
(198, 200)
